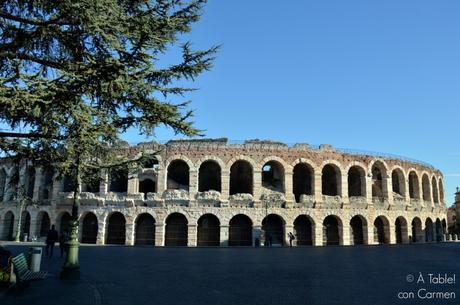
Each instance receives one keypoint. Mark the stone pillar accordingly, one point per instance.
(344, 190)
(38, 184)
(257, 185)
(288, 190)
(129, 233)
(191, 237)
(193, 187)
(370, 234)
(33, 226)
(133, 183)
(100, 233)
(224, 232)
(159, 234)
(392, 234)
(225, 185)
(161, 181)
(387, 189)
(318, 192)
(57, 187)
(256, 234)
(369, 189)
(318, 234)
(346, 235)
(406, 191)
(104, 184)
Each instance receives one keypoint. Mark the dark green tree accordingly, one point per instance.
(75, 74)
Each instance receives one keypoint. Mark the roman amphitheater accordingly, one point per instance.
(213, 192)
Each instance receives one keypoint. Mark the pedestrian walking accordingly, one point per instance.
(291, 238)
(63, 239)
(51, 239)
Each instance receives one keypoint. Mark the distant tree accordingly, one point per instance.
(75, 74)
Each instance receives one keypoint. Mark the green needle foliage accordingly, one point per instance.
(74, 74)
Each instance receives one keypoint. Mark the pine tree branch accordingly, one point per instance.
(55, 20)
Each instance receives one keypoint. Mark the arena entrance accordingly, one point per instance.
(331, 231)
(429, 230)
(64, 222)
(116, 229)
(145, 230)
(240, 231)
(25, 225)
(44, 224)
(358, 227)
(381, 230)
(8, 226)
(89, 229)
(176, 230)
(416, 229)
(303, 229)
(208, 231)
(401, 230)
(273, 227)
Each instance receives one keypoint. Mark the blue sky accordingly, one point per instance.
(374, 75)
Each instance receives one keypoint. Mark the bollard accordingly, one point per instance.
(35, 258)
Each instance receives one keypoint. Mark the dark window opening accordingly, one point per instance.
(241, 178)
(116, 229)
(330, 180)
(331, 230)
(357, 230)
(89, 229)
(355, 182)
(208, 231)
(145, 230)
(303, 229)
(209, 177)
(273, 176)
(273, 229)
(302, 181)
(240, 231)
(147, 186)
(176, 233)
(178, 175)
(377, 182)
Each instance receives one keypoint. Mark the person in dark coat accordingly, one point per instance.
(51, 239)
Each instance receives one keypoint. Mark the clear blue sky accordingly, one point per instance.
(374, 75)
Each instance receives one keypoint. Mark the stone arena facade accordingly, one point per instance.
(213, 193)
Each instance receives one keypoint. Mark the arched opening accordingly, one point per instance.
(30, 182)
(89, 229)
(273, 176)
(429, 230)
(381, 230)
(2, 184)
(303, 230)
(413, 186)
(25, 225)
(331, 230)
(416, 230)
(147, 186)
(64, 222)
(176, 230)
(116, 229)
(178, 175)
(401, 230)
(434, 187)
(44, 224)
(240, 231)
(68, 183)
(426, 188)
(302, 181)
(273, 228)
(47, 186)
(330, 180)
(209, 177)
(356, 181)
(8, 226)
(208, 231)
(441, 192)
(92, 180)
(438, 230)
(118, 180)
(241, 178)
(358, 228)
(397, 181)
(145, 230)
(378, 176)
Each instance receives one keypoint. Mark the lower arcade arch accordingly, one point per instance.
(417, 234)
(89, 229)
(116, 229)
(8, 226)
(429, 230)
(401, 230)
(331, 230)
(240, 231)
(145, 230)
(208, 233)
(43, 224)
(273, 230)
(358, 230)
(176, 232)
(303, 230)
(381, 230)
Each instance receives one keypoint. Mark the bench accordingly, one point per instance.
(23, 274)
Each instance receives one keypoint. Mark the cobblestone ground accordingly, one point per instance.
(364, 275)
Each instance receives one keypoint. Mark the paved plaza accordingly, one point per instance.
(364, 275)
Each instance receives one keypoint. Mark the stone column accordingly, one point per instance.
(100, 233)
(392, 234)
(191, 237)
(161, 181)
(224, 232)
(225, 185)
(256, 234)
(318, 234)
(370, 234)
(406, 190)
(288, 190)
(104, 184)
(369, 190)
(33, 226)
(257, 186)
(388, 189)
(344, 190)
(346, 235)
(193, 187)
(159, 234)
(318, 192)
(133, 183)
(129, 233)
(38, 183)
